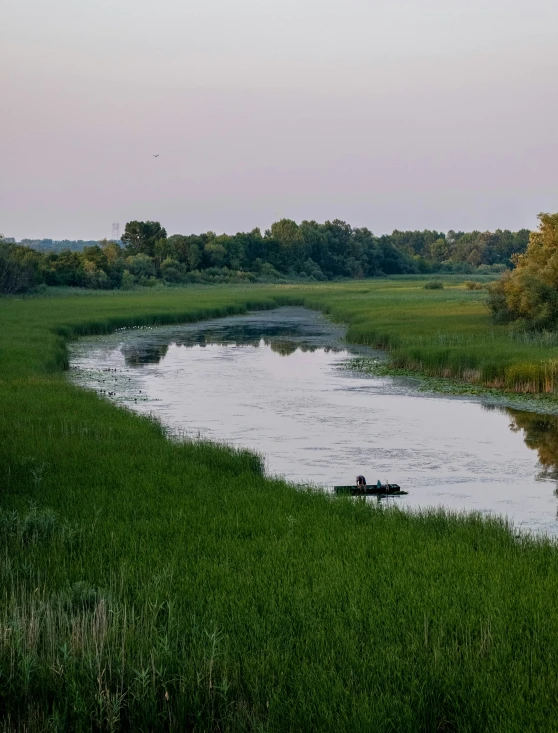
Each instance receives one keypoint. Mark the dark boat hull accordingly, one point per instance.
(372, 490)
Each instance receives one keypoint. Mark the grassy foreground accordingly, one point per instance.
(147, 585)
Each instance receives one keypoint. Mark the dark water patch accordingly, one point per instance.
(301, 330)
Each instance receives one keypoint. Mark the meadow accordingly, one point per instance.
(151, 585)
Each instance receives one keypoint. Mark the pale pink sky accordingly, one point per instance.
(386, 113)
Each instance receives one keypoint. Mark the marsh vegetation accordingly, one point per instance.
(149, 584)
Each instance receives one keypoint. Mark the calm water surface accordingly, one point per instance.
(277, 382)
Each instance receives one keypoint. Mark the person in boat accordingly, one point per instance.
(360, 482)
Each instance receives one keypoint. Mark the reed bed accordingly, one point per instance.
(149, 584)
(446, 333)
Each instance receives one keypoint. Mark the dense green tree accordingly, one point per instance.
(185, 249)
(529, 294)
(96, 255)
(439, 250)
(415, 242)
(286, 249)
(64, 268)
(19, 268)
(173, 271)
(254, 247)
(112, 250)
(142, 266)
(141, 237)
(214, 254)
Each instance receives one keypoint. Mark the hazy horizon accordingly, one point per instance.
(389, 116)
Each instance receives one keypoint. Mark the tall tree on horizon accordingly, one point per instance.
(140, 237)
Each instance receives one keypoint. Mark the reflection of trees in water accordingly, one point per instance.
(147, 354)
(277, 338)
(286, 348)
(540, 434)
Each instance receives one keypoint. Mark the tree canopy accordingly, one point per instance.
(528, 295)
(141, 237)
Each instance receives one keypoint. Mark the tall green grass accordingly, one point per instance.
(153, 585)
(444, 333)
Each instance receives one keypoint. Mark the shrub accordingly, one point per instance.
(128, 280)
(434, 285)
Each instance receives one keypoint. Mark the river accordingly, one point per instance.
(277, 382)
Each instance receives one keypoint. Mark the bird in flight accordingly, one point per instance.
(156, 156)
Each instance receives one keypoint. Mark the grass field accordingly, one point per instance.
(149, 585)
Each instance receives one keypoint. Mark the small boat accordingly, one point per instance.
(378, 489)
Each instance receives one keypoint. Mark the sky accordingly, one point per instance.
(390, 114)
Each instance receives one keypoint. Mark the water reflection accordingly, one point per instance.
(147, 353)
(540, 433)
(283, 339)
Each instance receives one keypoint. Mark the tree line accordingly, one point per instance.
(310, 251)
(54, 245)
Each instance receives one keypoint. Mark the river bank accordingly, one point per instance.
(545, 404)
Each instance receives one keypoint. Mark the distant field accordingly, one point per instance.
(151, 585)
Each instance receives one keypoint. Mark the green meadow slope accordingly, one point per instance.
(150, 585)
